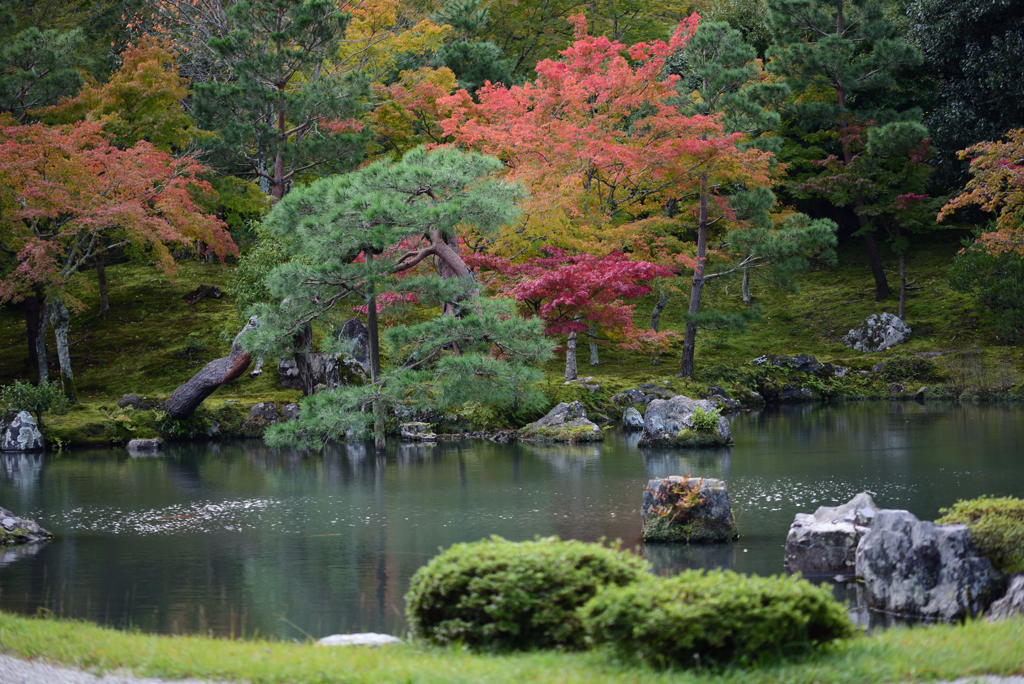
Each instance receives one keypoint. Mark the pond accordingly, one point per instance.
(238, 539)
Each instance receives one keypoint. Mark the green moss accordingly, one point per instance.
(997, 528)
(568, 434)
(689, 530)
(696, 438)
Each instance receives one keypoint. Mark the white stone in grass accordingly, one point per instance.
(360, 639)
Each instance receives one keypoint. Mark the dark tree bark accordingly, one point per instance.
(32, 308)
(190, 395)
(101, 280)
(594, 360)
(303, 342)
(658, 308)
(61, 320)
(690, 340)
(44, 366)
(903, 287)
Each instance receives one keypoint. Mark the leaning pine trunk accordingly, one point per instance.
(593, 345)
(570, 357)
(61, 320)
(690, 341)
(190, 395)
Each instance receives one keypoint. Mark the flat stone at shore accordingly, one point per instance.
(359, 639)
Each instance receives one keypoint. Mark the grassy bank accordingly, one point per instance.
(939, 652)
(153, 340)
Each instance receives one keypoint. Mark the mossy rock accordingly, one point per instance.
(564, 423)
(687, 510)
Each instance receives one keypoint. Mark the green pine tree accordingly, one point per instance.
(835, 55)
(37, 68)
(283, 111)
(344, 234)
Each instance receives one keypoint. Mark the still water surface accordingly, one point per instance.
(237, 538)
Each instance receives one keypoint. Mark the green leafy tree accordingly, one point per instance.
(474, 62)
(285, 109)
(350, 238)
(976, 48)
(835, 55)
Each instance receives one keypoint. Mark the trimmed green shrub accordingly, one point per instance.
(500, 595)
(997, 527)
(36, 399)
(712, 618)
(900, 368)
(705, 421)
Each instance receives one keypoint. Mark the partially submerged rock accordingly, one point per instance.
(878, 333)
(689, 510)
(15, 530)
(917, 568)
(563, 423)
(359, 639)
(22, 434)
(825, 542)
(802, 363)
(632, 421)
(145, 447)
(417, 432)
(670, 422)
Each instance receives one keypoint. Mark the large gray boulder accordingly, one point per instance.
(417, 432)
(328, 371)
(145, 447)
(15, 530)
(669, 422)
(1012, 604)
(917, 568)
(261, 416)
(563, 423)
(22, 434)
(632, 421)
(825, 542)
(690, 510)
(878, 333)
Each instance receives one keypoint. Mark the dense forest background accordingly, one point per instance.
(596, 172)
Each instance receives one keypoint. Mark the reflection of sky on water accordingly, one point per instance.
(236, 537)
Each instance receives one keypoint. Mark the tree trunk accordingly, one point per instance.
(44, 363)
(658, 308)
(903, 287)
(101, 279)
(875, 261)
(61, 320)
(303, 343)
(746, 285)
(30, 305)
(593, 345)
(690, 340)
(373, 330)
(570, 357)
(191, 394)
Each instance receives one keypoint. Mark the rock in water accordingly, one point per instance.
(632, 421)
(417, 432)
(22, 434)
(145, 447)
(826, 542)
(1012, 604)
(669, 422)
(15, 530)
(361, 639)
(877, 333)
(564, 423)
(917, 568)
(687, 509)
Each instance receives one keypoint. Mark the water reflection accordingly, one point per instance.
(235, 537)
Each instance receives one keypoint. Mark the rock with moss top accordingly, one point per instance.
(15, 530)
(684, 422)
(564, 423)
(687, 509)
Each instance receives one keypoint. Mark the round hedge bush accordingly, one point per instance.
(997, 528)
(713, 618)
(500, 595)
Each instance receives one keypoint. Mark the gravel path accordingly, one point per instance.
(18, 671)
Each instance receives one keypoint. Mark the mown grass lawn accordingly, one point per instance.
(899, 655)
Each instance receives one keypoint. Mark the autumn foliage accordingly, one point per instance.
(68, 194)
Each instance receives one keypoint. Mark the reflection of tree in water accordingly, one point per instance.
(566, 458)
(10, 554)
(696, 462)
(21, 470)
